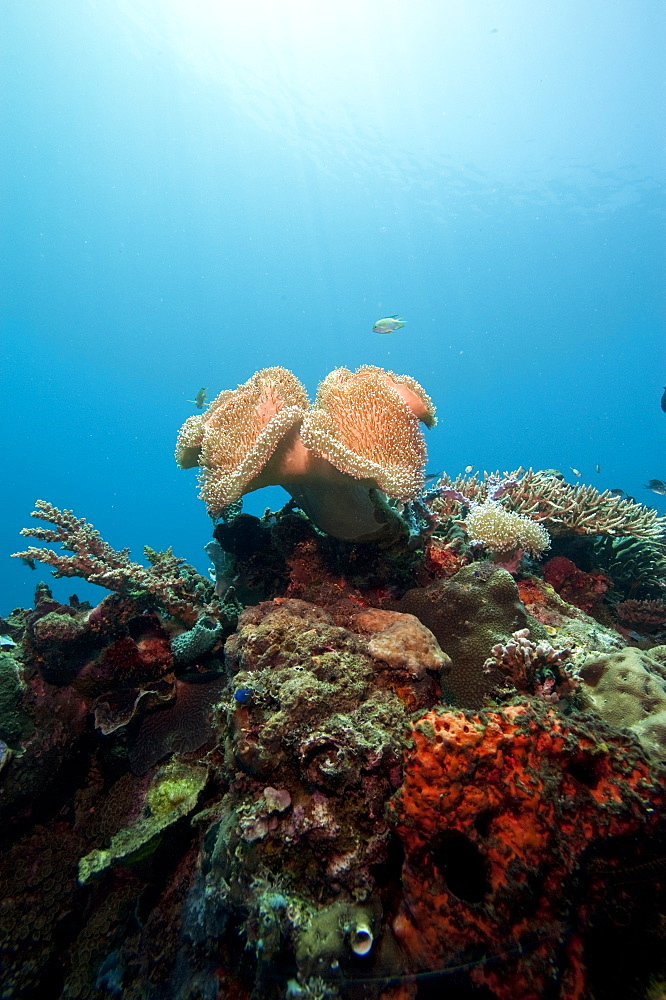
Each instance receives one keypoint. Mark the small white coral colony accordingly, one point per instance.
(504, 531)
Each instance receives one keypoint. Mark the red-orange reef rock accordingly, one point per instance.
(497, 815)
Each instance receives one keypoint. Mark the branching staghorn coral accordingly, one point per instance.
(184, 595)
(561, 508)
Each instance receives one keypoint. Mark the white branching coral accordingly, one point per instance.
(504, 531)
(562, 508)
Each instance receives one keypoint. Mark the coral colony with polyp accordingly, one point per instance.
(405, 741)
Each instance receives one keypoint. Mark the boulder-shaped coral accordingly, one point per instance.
(317, 720)
(304, 699)
(497, 813)
(470, 613)
(402, 642)
(628, 689)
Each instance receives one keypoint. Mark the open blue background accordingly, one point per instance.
(195, 190)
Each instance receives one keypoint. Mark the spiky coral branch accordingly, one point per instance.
(185, 595)
(561, 508)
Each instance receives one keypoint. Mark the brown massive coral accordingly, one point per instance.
(359, 441)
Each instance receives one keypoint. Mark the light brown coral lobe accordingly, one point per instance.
(241, 430)
(362, 434)
(366, 423)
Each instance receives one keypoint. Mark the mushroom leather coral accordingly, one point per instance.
(496, 813)
(362, 435)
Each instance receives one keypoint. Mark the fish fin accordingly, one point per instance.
(400, 326)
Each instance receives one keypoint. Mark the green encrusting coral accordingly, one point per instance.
(172, 794)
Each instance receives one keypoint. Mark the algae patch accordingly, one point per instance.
(172, 794)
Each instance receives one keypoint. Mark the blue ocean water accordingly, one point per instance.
(194, 190)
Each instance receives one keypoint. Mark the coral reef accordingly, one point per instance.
(533, 668)
(469, 614)
(503, 531)
(628, 689)
(389, 770)
(636, 566)
(497, 815)
(647, 614)
(167, 582)
(584, 590)
(171, 794)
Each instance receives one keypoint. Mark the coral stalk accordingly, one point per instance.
(186, 596)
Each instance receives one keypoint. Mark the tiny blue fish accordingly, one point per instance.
(389, 324)
(242, 695)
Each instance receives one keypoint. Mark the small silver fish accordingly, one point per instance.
(468, 469)
(388, 324)
(575, 471)
(597, 468)
(551, 473)
(657, 486)
(200, 399)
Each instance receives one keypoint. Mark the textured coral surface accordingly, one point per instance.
(396, 771)
(496, 813)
